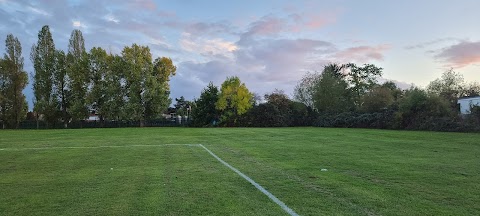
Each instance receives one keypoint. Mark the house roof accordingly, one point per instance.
(469, 98)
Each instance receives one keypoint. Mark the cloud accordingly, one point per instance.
(78, 24)
(362, 54)
(431, 43)
(206, 28)
(214, 47)
(460, 55)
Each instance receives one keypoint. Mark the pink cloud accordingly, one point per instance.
(460, 55)
(315, 21)
(144, 4)
(266, 26)
(362, 54)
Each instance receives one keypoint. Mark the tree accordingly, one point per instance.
(331, 93)
(305, 89)
(61, 84)
(98, 67)
(138, 63)
(78, 72)
(43, 59)
(472, 89)
(182, 106)
(420, 110)
(362, 79)
(234, 100)
(450, 87)
(157, 89)
(17, 79)
(115, 88)
(3, 93)
(283, 104)
(377, 99)
(204, 112)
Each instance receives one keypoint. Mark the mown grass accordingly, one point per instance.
(370, 172)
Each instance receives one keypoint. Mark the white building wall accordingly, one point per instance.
(466, 103)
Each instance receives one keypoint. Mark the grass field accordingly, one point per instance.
(369, 172)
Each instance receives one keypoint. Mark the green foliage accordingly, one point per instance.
(115, 92)
(331, 92)
(278, 111)
(157, 88)
(61, 83)
(13, 79)
(138, 64)
(377, 99)
(98, 67)
(305, 89)
(418, 110)
(234, 100)
(78, 72)
(43, 59)
(204, 112)
(362, 79)
(147, 87)
(450, 87)
(182, 106)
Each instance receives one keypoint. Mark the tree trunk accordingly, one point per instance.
(37, 120)
(142, 123)
(65, 120)
(102, 121)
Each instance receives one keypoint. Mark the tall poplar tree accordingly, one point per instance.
(157, 89)
(77, 71)
(98, 67)
(61, 84)
(3, 94)
(138, 63)
(17, 79)
(115, 83)
(43, 59)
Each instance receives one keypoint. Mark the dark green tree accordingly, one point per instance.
(98, 67)
(331, 93)
(450, 87)
(361, 79)
(61, 84)
(157, 88)
(182, 106)
(204, 112)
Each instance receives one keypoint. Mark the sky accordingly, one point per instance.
(268, 44)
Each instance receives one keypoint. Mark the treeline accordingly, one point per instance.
(133, 88)
(342, 96)
(69, 86)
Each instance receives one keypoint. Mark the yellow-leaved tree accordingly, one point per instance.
(234, 100)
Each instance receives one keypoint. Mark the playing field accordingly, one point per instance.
(150, 171)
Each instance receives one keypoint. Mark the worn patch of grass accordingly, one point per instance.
(370, 172)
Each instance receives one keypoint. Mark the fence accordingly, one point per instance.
(172, 122)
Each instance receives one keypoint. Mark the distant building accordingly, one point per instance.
(467, 102)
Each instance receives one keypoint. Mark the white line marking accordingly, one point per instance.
(93, 147)
(259, 187)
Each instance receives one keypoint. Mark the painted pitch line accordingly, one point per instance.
(259, 187)
(92, 147)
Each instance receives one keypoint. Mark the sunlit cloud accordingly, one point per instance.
(362, 54)
(38, 11)
(460, 55)
(78, 24)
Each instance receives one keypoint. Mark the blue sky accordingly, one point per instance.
(268, 44)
